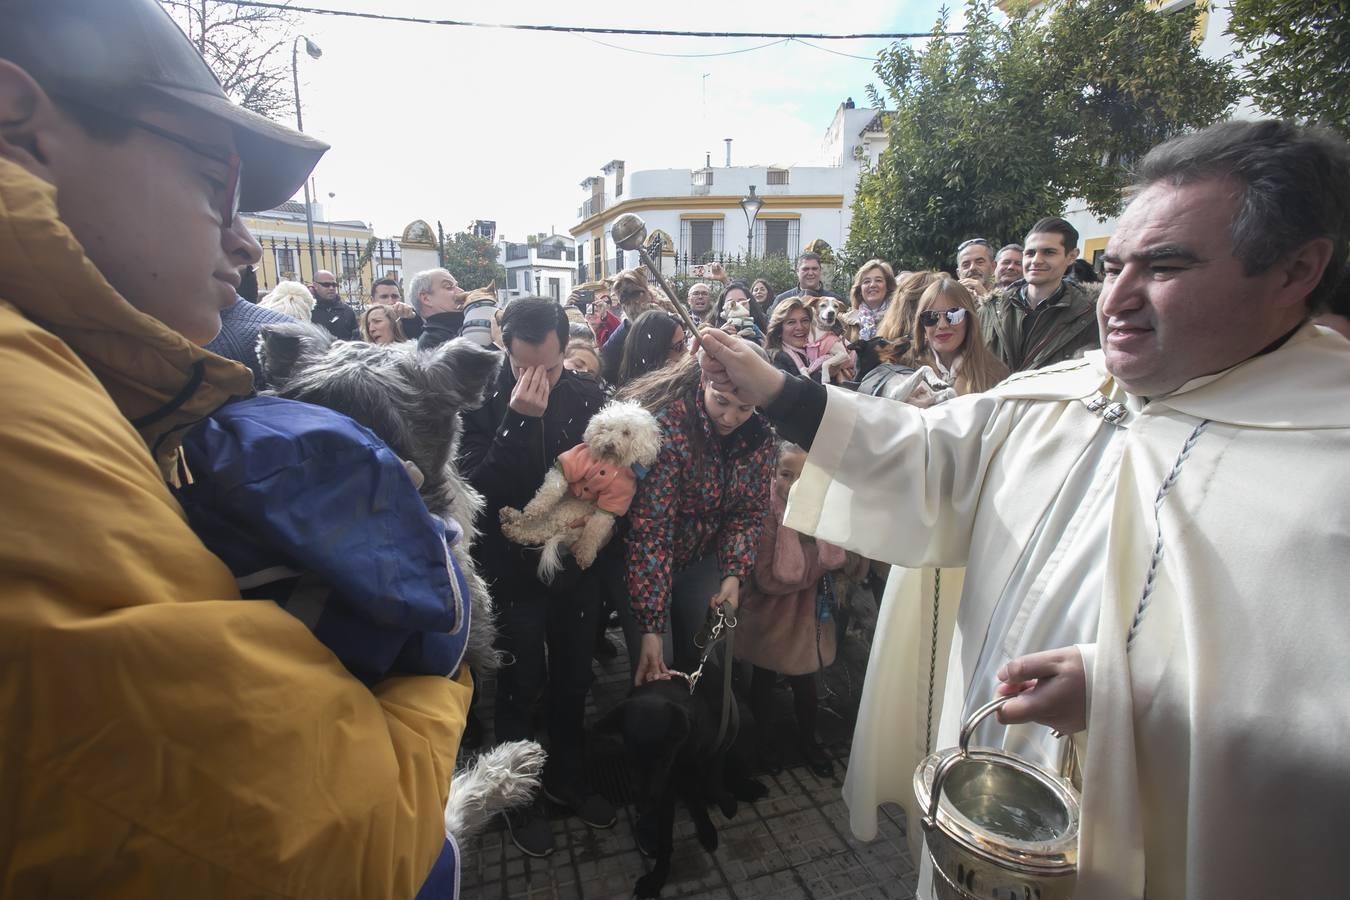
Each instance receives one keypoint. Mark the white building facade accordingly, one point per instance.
(544, 266)
(698, 213)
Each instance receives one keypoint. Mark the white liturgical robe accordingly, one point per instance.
(1218, 746)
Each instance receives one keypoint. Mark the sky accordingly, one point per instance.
(456, 124)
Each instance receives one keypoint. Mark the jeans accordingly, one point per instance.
(533, 619)
(692, 588)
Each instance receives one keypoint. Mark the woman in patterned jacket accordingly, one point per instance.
(696, 520)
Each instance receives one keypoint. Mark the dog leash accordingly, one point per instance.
(717, 624)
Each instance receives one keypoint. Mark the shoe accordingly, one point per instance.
(591, 809)
(816, 759)
(645, 832)
(530, 831)
(770, 760)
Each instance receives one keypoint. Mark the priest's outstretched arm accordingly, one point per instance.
(882, 478)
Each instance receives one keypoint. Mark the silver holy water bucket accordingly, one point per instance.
(997, 827)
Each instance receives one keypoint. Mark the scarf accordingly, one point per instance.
(799, 358)
(868, 319)
(948, 374)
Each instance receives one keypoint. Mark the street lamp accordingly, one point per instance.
(332, 245)
(328, 218)
(314, 53)
(751, 205)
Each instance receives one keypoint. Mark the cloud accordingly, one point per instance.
(457, 124)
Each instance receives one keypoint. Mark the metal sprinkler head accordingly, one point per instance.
(629, 232)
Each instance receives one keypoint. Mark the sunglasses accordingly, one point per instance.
(228, 206)
(972, 242)
(327, 284)
(929, 318)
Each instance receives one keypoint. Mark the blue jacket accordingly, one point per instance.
(312, 510)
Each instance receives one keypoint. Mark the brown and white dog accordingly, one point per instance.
(826, 349)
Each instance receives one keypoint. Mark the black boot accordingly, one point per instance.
(805, 704)
(768, 756)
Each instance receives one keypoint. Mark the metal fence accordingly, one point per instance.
(357, 264)
(671, 264)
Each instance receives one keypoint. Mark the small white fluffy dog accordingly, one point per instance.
(593, 483)
(290, 298)
(502, 778)
(826, 313)
(737, 314)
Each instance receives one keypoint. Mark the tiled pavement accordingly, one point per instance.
(794, 843)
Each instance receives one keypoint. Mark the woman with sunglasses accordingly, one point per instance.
(947, 337)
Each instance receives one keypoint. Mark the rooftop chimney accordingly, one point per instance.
(728, 140)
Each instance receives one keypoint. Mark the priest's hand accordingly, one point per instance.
(1048, 687)
(732, 367)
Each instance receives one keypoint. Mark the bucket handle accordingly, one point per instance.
(944, 768)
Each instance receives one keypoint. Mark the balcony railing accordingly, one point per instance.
(545, 251)
(593, 206)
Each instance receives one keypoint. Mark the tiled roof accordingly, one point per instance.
(877, 124)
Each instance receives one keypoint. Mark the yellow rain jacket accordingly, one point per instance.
(160, 737)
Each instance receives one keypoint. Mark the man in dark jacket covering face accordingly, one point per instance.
(538, 411)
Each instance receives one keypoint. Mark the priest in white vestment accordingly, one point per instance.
(1187, 486)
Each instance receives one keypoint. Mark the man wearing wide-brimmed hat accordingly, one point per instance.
(161, 737)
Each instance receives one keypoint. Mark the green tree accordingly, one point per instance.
(473, 261)
(1297, 57)
(969, 155)
(1143, 82)
(778, 271)
(995, 129)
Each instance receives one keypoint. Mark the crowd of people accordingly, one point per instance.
(1115, 488)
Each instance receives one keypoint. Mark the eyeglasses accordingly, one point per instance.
(229, 199)
(972, 242)
(929, 318)
(327, 284)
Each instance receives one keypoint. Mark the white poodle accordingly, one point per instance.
(502, 778)
(592, 484)
(290, 298)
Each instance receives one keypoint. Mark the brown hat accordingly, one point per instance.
(105, 46)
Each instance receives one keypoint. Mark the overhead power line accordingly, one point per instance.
(835, 52)
(584, 29)
(686, 55)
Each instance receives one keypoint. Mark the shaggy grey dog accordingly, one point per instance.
(411, 399)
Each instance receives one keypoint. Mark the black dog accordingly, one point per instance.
(870, 352)
(670, 736)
